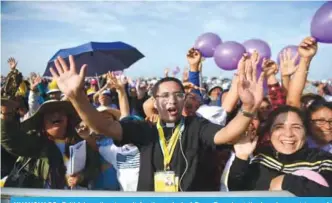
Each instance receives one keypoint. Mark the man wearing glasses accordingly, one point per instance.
(171, 148)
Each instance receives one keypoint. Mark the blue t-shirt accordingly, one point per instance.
(107, 179)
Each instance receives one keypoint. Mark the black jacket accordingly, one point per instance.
(268, 164)
(196, 140)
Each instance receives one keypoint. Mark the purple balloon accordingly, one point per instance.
(228, 55)
(293, 49)
(260, 46)
(321, 24)
(207, 43)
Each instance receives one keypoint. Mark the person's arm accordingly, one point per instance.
(71, 84)
(241, 172)
(250, 91)
(275, 92)
(307, 51)
(113, 82)
(148, 107)
(287, 67)
(285, 82)
(194, 58)
(123, 103)
(301, 186)
(14, 140)
(96, 95)
(239, 175)
(233, 130)
(232, 96)
(33, 96)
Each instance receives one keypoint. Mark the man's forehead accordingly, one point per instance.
(169, 86)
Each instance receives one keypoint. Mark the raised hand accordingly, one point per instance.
(141, 89)
(166, 71)
(114, 82)
(287, 63)
(152, 118)
(269, 67)
(245, 146)
(185, 76)
(308, 48)
(255, 58)
(35, 82)
(250, 89)
(68, 80)
(12, 63)
(83, 131)
(194, 57)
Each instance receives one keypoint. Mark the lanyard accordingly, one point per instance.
(168, 149)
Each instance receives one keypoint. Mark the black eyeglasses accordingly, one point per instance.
(167, 95)
(322, 122)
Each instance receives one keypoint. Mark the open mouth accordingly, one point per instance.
(172, 111)
(288, 143)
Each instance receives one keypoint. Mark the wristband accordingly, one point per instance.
(247, 114)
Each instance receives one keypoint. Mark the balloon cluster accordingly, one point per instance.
(227, 54)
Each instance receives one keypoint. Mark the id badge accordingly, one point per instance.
(165, 181)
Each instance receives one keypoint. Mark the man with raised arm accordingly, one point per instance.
(170, 150)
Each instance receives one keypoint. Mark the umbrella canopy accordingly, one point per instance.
(100, 57)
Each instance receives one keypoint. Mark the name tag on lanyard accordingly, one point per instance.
(167, 181)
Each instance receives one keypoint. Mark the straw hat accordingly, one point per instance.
(114, 112)
(36, 119)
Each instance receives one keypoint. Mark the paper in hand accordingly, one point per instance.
(77, 158)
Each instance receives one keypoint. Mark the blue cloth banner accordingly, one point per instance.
(170, 200)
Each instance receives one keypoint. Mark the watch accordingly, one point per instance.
(247, 114)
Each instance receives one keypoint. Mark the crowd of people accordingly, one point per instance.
(164, 134)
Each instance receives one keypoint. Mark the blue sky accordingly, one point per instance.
(33, 32)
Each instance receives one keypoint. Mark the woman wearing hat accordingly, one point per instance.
(42, 142)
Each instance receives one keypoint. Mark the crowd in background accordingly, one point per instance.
(237, 135)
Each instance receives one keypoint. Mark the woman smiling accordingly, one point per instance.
(273, 168)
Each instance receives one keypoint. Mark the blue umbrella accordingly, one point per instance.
(101, 57)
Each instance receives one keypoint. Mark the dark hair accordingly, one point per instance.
(285, 109)
(306, 99)
(318, 104)
(166, 79)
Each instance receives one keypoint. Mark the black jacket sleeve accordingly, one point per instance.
(239, 175)
(138, 133)
(302, 186)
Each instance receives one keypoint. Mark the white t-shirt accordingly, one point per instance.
(126, 161)
(215, 114)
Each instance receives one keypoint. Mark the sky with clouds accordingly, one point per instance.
(33, 32)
